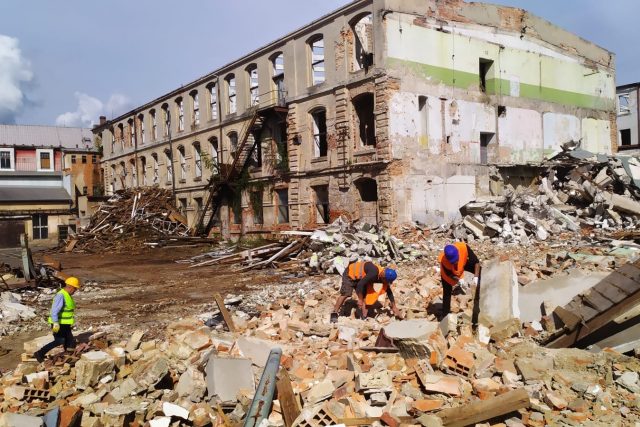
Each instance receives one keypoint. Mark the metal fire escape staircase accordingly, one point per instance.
(221, 185)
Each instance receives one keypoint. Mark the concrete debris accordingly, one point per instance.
(573, 192)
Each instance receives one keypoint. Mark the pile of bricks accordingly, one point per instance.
(378, 371)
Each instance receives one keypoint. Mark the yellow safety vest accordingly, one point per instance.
(67, 314)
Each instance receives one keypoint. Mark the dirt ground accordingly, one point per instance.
(144, 290)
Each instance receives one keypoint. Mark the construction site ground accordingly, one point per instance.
(137, 290)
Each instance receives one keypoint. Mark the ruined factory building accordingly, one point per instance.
(387, 111)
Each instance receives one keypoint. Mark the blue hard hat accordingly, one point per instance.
(451, 254)
(390, 274)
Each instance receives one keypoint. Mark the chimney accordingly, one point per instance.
(103, 120)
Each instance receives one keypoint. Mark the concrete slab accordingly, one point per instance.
(19, 420)
(226, 376)
(256, 349)
(498, 292)
(559, 290)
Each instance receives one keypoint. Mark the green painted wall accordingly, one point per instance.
(453, 59)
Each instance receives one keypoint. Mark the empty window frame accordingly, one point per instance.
(197, 159)
(214, 153)
(282, 154)
(166, 119)
(213, 101)
(134, 173)
(319, 132)
(277, 63)
(256, 151)
(321, 195)
(236, 208)
(143, 170)
(624, 106)
(231, 93)
(154, 125)
(199, 205)
(156, 168)
(73, 159)
(254, 94)
(7, 159)
(423, 117)
(40, 226)
(141, 124)
(282, 205)
(316, 49)
(183, 163)
(121, 135)
(233, 143)
(180, 111)
(625, 137)
(362, 52)
(195, 105)
(84, 159)
(363, 105)
(256, 207)
(94, 159)
(485, 140)
(182, 205)
(132, 132)
(113, 139)
(484, 66)
(169, 160)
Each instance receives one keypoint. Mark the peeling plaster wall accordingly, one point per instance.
(537, 97)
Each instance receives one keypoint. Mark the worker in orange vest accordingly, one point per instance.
(369, 281)
(454, 261)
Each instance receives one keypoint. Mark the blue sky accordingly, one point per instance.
(72, 60)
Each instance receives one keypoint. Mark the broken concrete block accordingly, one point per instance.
(19, 420)
(498, 292)
(173, 410)
(505, 330)
(427, 420)
(36, 344)
(151, 373)
(118, 415)
(225, 377)
(321, 391)
(256, 349)
(134, 341)
(125, 389)
(160, 422)
(629, 380)
(412, 336)
(369, 381)
(449, 324)
(475, 226)
(91, 367)
(555, 400)
(621, 203)
(191, 384)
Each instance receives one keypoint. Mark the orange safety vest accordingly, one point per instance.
(458, 269)
(356, 272)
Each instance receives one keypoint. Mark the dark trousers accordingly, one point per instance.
(446, 298)
(62, 337)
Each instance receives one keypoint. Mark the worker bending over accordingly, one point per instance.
(369, 281)
(454, 261)
(62, 318)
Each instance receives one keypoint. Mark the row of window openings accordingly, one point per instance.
(44, 160)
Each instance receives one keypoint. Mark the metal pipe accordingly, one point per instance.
(261, 404)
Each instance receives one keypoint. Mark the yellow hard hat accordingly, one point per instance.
(73, 281)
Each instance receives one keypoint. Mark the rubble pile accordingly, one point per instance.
(326, 250)
(340, 243)
(578, 191)
(131, 216)
(376, 372)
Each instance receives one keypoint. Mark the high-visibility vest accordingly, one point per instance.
(356, 272)
(66, 316)
(458, 269)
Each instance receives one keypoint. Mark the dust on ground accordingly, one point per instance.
(143, 290)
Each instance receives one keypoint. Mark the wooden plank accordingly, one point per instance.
(570, 319)
(596, 300)
(630, 270)
(367, 421)
(482, 410)
(225, 313)
(587, 313)
(612, 292)
(596, 323)
(623, 282)
(70, 245)
(215, 260)
(286, 397)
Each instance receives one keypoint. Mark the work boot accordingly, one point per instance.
(333, 318)
(39, 356)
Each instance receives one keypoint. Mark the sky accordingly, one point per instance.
(68, 62)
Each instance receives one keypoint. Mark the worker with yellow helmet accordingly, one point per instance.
(62, 318)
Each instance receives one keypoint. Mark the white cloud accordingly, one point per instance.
(90, 109)
(15, 73)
